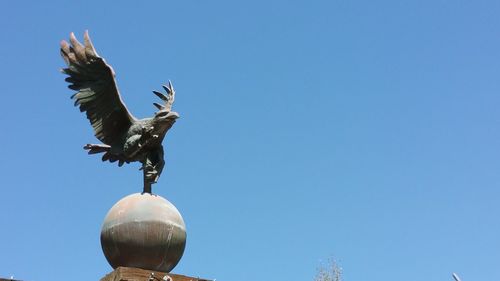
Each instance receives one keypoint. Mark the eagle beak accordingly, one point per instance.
(164, 115)
(172, 115)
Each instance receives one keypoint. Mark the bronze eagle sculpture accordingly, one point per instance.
(124, 138)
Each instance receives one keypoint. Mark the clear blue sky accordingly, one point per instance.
(364, 130)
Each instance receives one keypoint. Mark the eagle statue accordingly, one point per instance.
(124, 138)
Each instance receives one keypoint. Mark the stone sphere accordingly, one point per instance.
(143, 231)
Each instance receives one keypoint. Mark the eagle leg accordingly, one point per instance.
(152, 167)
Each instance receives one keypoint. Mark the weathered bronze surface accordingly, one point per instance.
(144, 231)
(124, 138)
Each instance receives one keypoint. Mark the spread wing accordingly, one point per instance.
(97, 94)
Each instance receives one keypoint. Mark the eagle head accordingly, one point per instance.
(165, 116)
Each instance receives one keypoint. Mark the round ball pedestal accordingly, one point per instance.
(143, 231)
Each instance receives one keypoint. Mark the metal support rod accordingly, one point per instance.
(147, 187)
